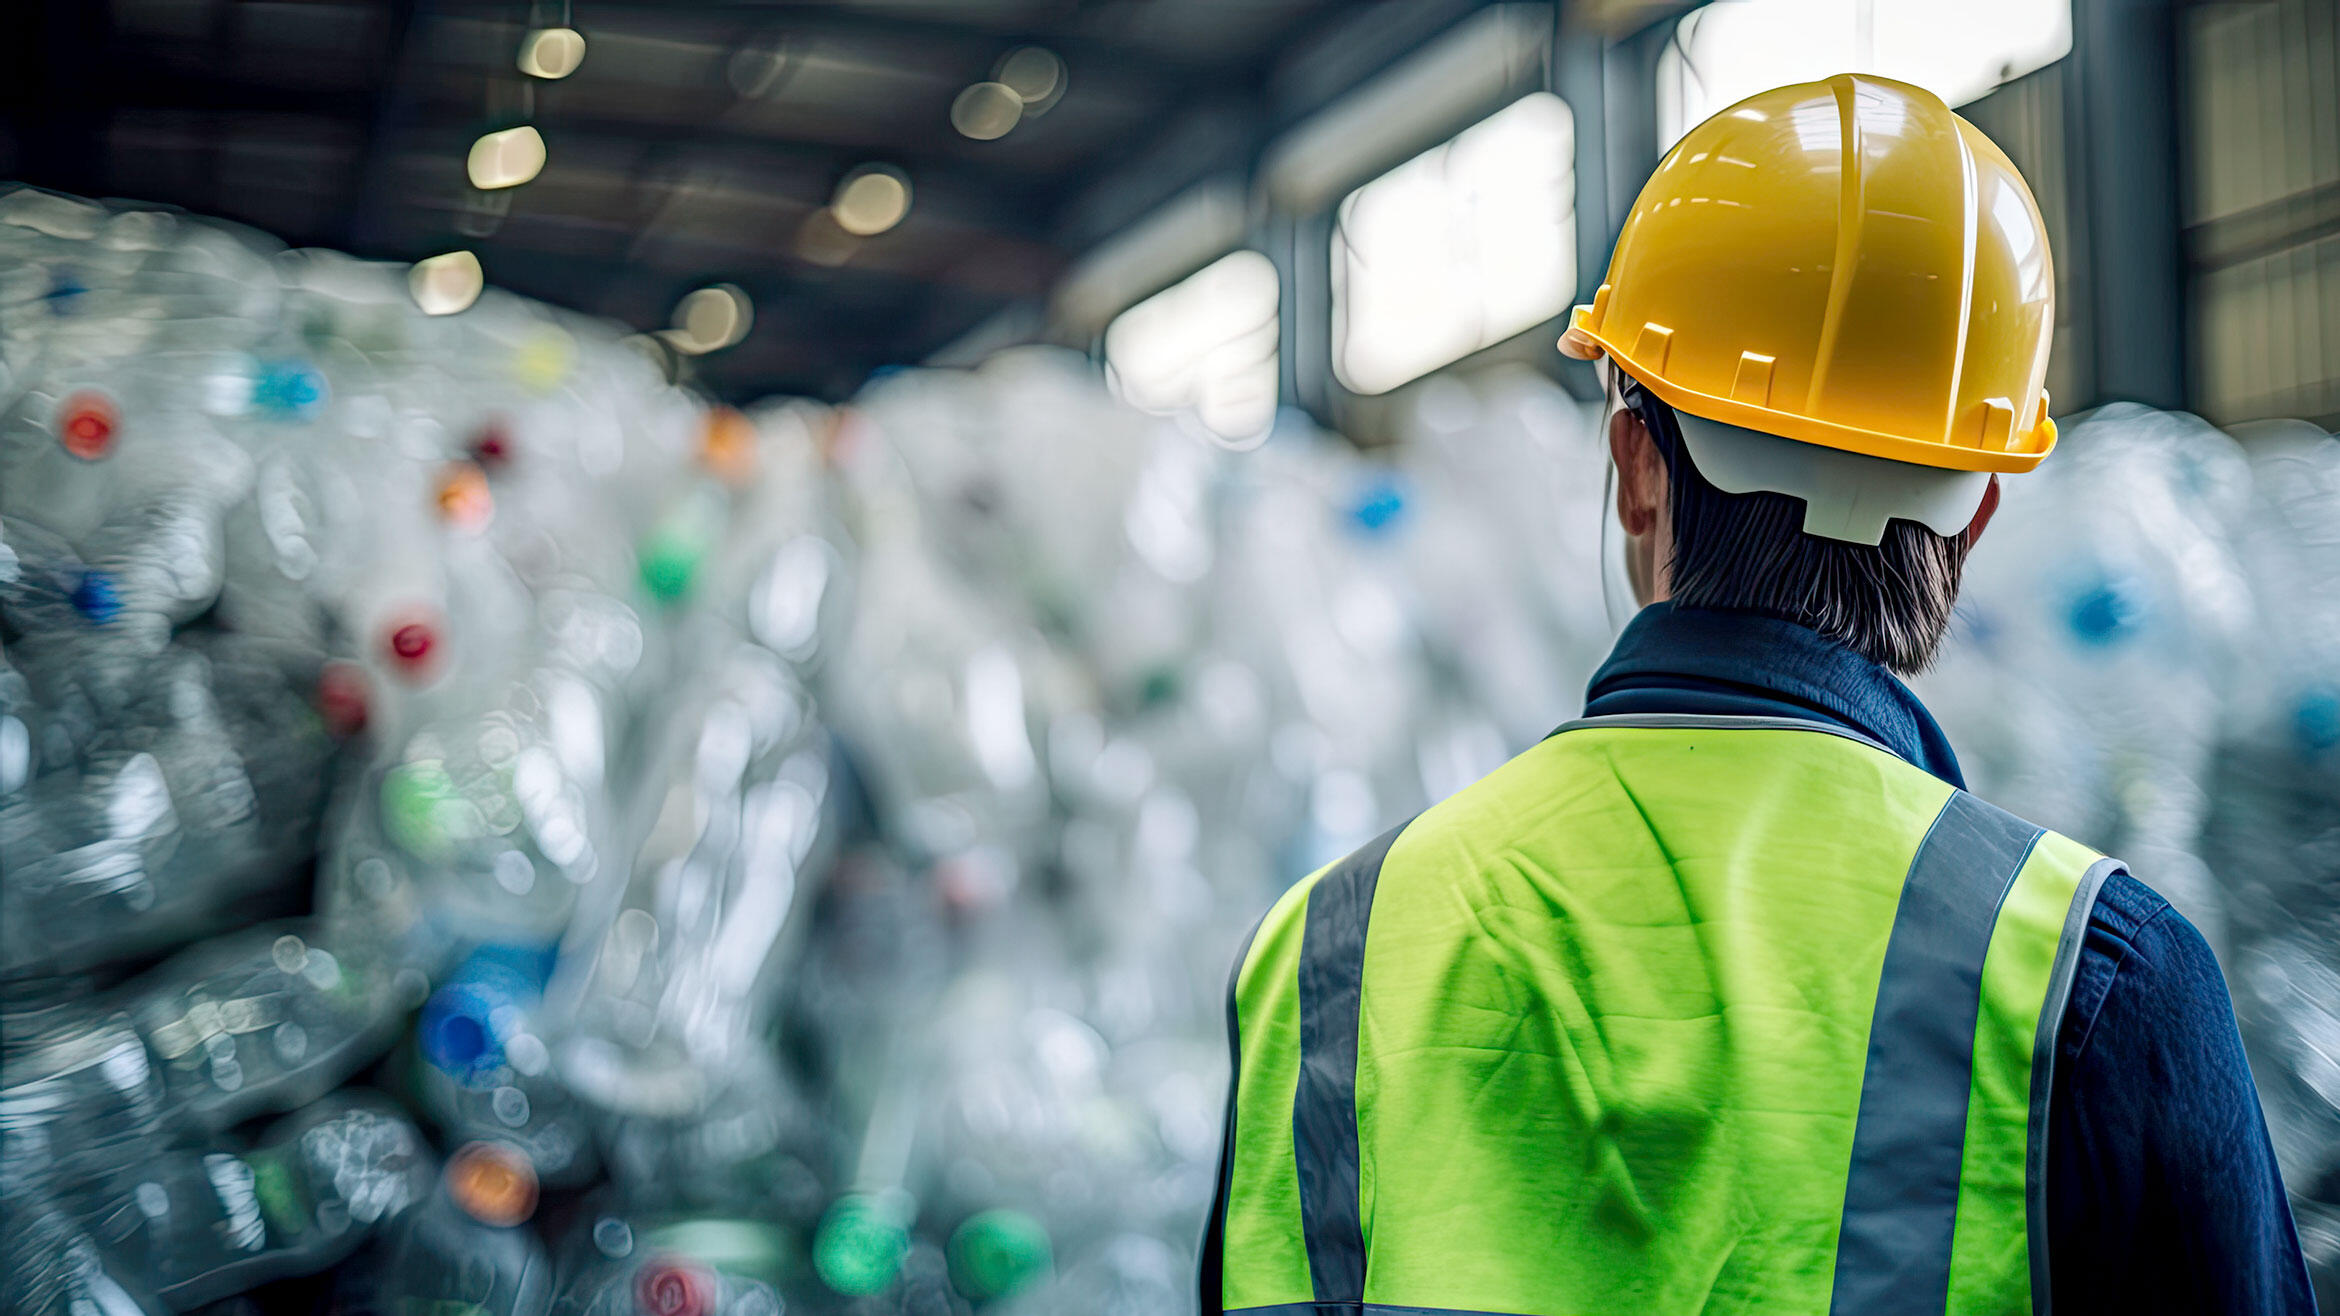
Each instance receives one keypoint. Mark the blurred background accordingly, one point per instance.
(652, 654)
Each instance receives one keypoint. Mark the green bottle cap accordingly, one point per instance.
(998, 1253)
(859, 1246)
(1161, 686)
(670, 561)
(422, 811)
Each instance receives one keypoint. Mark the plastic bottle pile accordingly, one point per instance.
(325, 638)
(478, 826)
(2272, 835)
(482, 827)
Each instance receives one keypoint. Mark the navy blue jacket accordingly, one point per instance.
(2162, 1192)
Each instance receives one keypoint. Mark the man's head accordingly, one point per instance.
(1689, 541)
(1829, 311)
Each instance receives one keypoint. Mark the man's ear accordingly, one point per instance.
(1984, 513)
(1641, 473)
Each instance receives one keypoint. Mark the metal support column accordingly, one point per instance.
(2126, 117)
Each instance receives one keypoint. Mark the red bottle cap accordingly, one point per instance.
(673, 1286)
(86, 424)
(492, 446)
(412, 642)
(341, 698)
(412, 645)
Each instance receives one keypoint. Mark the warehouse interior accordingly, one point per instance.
(2178, 151)
(654, 653)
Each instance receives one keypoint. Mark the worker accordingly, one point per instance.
(1727, 997)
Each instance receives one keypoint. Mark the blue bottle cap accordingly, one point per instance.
(1379, 505)
(95, 597)
(65, 292)
(2315, 720)
(456, 1036)
(289, 387)
(2107, 610)
(463, 1025)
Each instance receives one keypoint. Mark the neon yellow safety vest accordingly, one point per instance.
(1667, 1015)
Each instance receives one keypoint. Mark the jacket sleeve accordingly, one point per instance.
(2163, 1191)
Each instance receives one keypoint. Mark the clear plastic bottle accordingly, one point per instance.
(617, 1263)
(1129, 1274)
(50, 1267)
(265, 1019)
(665, 978)
(464, 1244)
(482, 1073)
(487, 813)
(186, 808)
(199, 1224)
(78, 1091)
(532, 1111)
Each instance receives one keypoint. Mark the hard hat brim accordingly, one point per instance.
(1585, 343)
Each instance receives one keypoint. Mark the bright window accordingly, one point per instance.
(1458, 248)
(1205, 347)
(1731, 49)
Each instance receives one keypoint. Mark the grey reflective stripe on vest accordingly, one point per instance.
(1716, 722)
(1909, 1141)
(2043, 1070)
(1324, 1101)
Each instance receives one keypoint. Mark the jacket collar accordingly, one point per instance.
(1703, 660)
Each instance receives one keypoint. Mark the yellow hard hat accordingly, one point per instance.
(1846, 263)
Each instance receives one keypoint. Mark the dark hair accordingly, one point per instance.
(1748, 552)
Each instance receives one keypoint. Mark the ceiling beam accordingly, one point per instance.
(396, 123)
(1084, 54)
